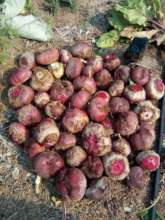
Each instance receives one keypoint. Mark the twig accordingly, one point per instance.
(157, 24)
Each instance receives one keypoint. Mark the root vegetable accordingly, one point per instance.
(93, 167)
(57, 69)
(143, 138)
(97, 189)
(47, 56)
(85, 83)
(20, 95)
(73, 68)
(140, 75)
(80, 99)
(155, 89)
(119, 105)
(41, 99)
(107, 123)
(103, 95)
(98, 109)
(34, 149)
(41, 79)
(75, 120)
(27, 60)
(116, 88)
(112, 62)
(135, 93)
(147, 112)
(96, 62)
(121, 145)
(126, 123)
(47, 164)
(18, 132)
(136, 177)
(47, 132)
(65, 55)
(66, 141)
(29, 115)
(148, 160)
(75, 156)
(103, 78)
(54, 109)
(61, 90)
(116, 166)
(122, 73)
(82, 50)
(88, 71)
(96, 140)
(70, 184)
(19, 76)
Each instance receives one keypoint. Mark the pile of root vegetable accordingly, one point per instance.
(83, 118)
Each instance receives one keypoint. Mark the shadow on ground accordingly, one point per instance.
(11, 209)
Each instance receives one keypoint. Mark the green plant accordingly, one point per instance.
(6, 34)
(54, 5)
(29, 7)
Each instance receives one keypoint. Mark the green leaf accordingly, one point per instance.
(133, 15)
(116, 19)
(146, 216)
(108, 40)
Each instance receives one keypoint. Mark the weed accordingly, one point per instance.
(29, 7)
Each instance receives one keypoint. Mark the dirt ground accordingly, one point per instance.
(19, 199)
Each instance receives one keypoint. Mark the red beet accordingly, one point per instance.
(20, 95)
(73, 68)
(116, 166)
(121, 145)
(41, 99)
(75, 156)
(92, 167)
(80, 99)
(96, 139)
(18, 132)
(98, 109)
(34, 149)
(19, 76)
(103, 95)
(47, 56)
(61, 90)
(135, 93)
(82, 50)
(140, 75)
(112, 62)
(119, 105)
(122, 73)
(96, 62)
(75, 120)
(41, 79)
(136, 177)
(27, 60)
(66, 141)
(97, 189)
(155, 89)
(54, 109)
(148, 160)
(85, 83)
(70, 184)
(28, 115)
(143, 138)
(126, 123)
(88, 71)
(107, 123)
(47, 164)
(116, 88)
(47, 132)
(65, 55)
(147, 112)
(103, 78)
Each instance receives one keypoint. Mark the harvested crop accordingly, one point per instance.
(75, 156)
(27, 60)
(66, 140)
(18, 132)
(85, 83)
(116, 88)
(19, 76)
(103, 78)
(54, 109)
(47, 56)
(135, 93)
(41, 99)
(80, 99)
(82, 50)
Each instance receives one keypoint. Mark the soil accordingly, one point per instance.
(19, 198)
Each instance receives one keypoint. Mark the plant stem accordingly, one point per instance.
(157, 24)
